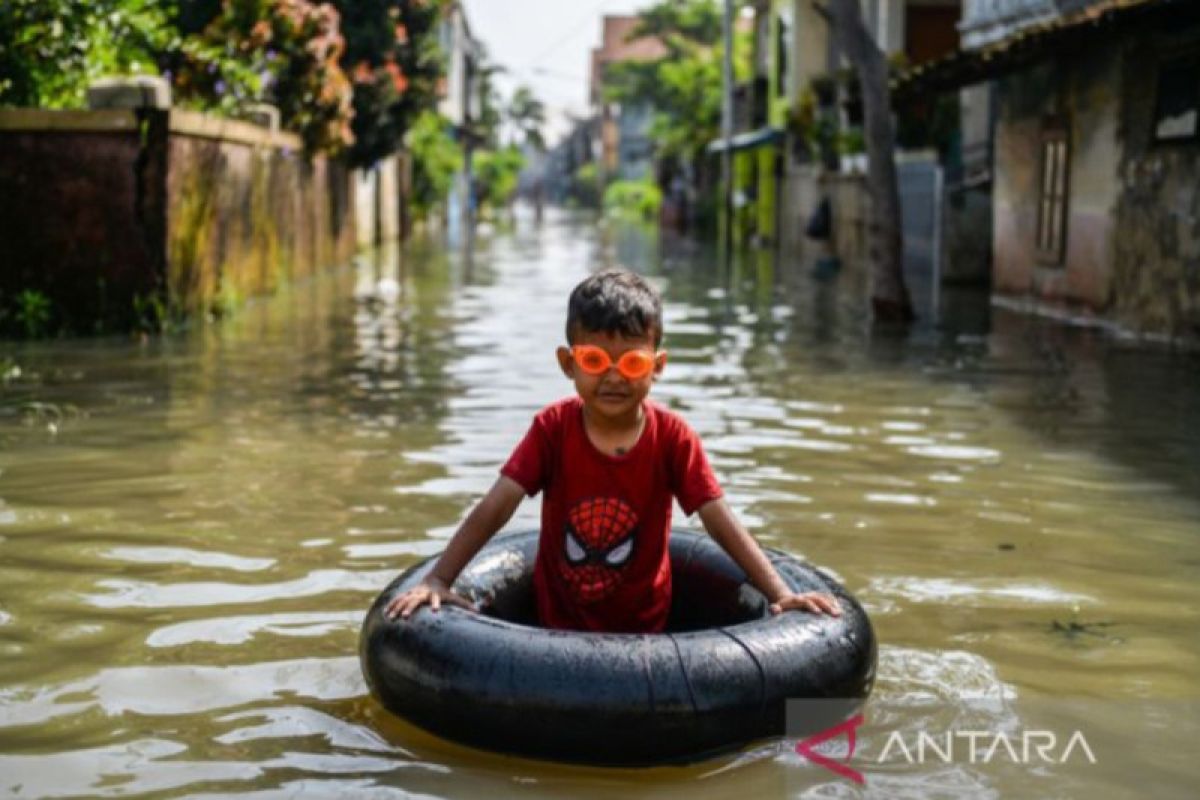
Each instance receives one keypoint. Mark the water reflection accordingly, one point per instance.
(192, 527)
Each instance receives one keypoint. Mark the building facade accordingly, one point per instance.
(1096, 160)
(461, 103)
(823, 155)
(625, 148)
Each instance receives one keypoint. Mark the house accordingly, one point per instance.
(626, 150)
(794, 49)
(799, 139)
(1095, 167)
(461, 102)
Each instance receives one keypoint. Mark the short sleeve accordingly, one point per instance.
(529, 464)
(692, 480)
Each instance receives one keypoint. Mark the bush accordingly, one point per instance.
(29, 314)
(435, 159)
(585, 186)
(51, 49)
(496, 173)
(395, 62)
(286, 52)
(640, 199)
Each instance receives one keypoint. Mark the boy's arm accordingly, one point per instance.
(723, 526)
(488, 516)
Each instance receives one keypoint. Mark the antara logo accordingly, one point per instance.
(1026, 747)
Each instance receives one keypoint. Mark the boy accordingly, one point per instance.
(608, 462)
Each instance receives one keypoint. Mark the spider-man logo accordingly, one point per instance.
(599, 537)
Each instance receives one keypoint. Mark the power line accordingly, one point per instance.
(559, 41)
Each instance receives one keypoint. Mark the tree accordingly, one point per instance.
(683, 88)
(496, 173)
(226, 55)
(485, 126)
(436, 158)
(285, 52)
(395, 62)
(51, 49)
(219, 55)
(889, 294)
(528, 115)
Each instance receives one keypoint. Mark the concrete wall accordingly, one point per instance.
(810, 46)
(80, 213)
(1155, 248)
(798, 198)
(377, 202)
(967, 235)
(1083, 93)
(366, 214)
(245, 212)
(1133, 228)
(120, 217)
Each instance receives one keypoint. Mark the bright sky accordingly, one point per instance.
(545, 44)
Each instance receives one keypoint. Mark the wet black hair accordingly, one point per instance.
(615, 301)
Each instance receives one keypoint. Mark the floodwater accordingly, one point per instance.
(192, 527)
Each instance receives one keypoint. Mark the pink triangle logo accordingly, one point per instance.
(805, 748)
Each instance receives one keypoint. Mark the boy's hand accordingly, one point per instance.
(430, 590)
(816, 602)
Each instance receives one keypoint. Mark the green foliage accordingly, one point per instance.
(150, 313)
(684, 86)
(486, 127)
(528, 115)
(436, 158)
(816, 119)
(286, 52)
(32, 313)
(224, 56)
(585, 186)
(395, 61)
(496, 172)
(851, 142)
(10, 370)
(681, 25)
(50, 50)
(638, 199)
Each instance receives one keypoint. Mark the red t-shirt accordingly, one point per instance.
(603, 562)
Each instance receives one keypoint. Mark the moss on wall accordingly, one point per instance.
(126, 220)
(1156, 236)
(244, 219)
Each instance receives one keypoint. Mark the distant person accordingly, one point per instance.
(608, 463)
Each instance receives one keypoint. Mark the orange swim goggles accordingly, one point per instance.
(633, 364)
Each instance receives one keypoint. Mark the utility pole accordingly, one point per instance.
(727, 129)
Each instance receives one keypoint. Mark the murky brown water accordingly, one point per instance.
(192, 528)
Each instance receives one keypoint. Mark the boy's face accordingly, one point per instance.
(611, 394)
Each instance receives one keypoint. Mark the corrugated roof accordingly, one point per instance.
(1027, 45)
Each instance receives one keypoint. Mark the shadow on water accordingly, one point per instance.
(1072, 385)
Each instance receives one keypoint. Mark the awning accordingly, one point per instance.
(1032, 44)
(745, 141)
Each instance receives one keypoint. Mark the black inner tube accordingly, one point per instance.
(719, 677)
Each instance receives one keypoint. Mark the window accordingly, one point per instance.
(1177, 104)
(1052, 196)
